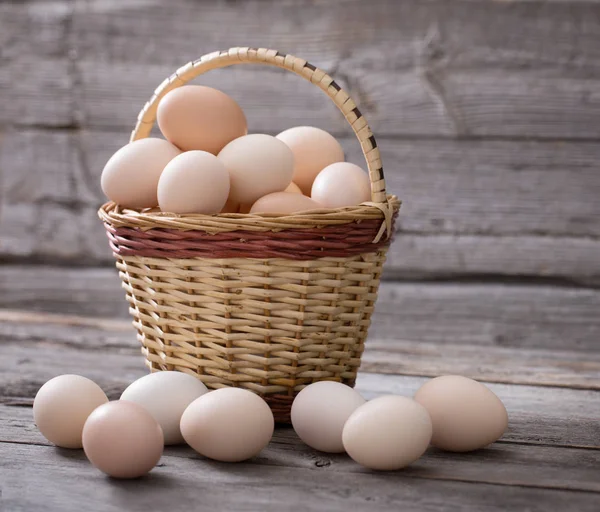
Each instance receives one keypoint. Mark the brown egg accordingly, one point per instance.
(314, 149)
(293, 188)
(284, 202)
(258, 164)
(465, 414)
(122, 439)
(131, 175)
(341, 184)
(199, 117)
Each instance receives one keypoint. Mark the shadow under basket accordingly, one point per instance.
(263, 302)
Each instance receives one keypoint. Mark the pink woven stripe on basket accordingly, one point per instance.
(297, 244)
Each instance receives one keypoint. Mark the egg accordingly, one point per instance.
(387, 433)
(231, 207)
(166, 396)
(62, 406)
(313, 149)
(122, 439)
(465, 414)
(195, 117)
(228, 424)
(284, 202)
(320, 411)
(341, 184)
(258, 164)
(131, 175)
(293, 188)
(193, 182)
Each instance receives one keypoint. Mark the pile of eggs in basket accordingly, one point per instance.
(209, 164)
(125, 438)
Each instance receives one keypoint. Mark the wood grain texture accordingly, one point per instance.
(470, 207)
(513, 365)
(503, 463)
(37, 477)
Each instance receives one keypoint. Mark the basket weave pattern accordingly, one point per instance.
(264, 302)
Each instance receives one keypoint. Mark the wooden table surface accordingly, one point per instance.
(487, 115)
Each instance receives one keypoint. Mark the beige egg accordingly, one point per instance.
(341, 184)
(258, 164)
(62, 406)
(313, 149)
(195, 117)
(166, 395)
(387, 433)
(231, 207)
(320, 411)
(465, 414)
(122, 439)
(193, 182)
(131, 175)
(228, 424)
(284, 203)
(293, 188)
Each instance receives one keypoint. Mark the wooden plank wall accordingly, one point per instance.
(487, 114)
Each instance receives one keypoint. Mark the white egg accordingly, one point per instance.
(193, 182)
(228, 424)
(166, 395)
(341, 184)
(320, 411)
(62, 406)
(387, 433)
(258, 164)
(131, 175)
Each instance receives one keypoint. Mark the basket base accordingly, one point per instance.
(281, 405)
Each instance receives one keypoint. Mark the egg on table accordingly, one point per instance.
(166, 395)
(313, 149)
(387, 433)
(130, 177)
(193, 182)
(466, 415)
(196, 117)
(258, 164)
(62, 406)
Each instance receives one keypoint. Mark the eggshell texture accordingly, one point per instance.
(284, 202)
(131, 175)
(193, 182)
(465, 414)
(228, 424)
(231, 207)
(122, 439)
(387, 433)
(195, 117)
(320, 411)
(62, 406)
(341, 184)
(314, 149)
(258, 164)
(293, 188)
(166, 396)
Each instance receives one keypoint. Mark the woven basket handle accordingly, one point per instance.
(307, 71)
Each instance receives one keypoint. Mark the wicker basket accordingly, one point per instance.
(264, 302)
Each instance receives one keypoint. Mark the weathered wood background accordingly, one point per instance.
(488, 117)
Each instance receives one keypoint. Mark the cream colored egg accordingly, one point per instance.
(166, 395)
(131, 175)
(465, 414)
(195, 117)
(258, 164)
(228, 424)
(122, 439)
(293, 188)
(341, 184)
(320, 411)
(387, 433)
(62, 406)
(284, 203)
(193, 182)
(314, 149)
